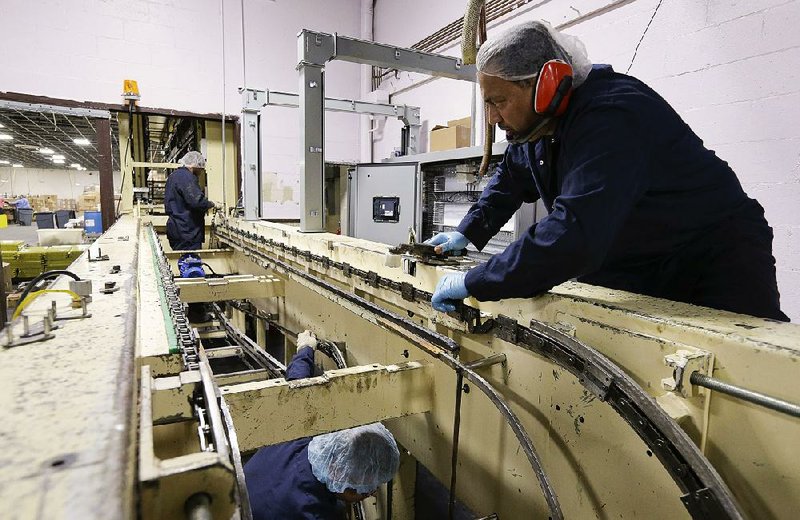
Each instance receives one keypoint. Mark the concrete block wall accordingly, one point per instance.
(730, 68)
(84, 49)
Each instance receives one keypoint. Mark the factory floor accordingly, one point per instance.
(24, 233)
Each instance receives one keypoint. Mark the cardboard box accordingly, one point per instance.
(466, 122)
(448, 138)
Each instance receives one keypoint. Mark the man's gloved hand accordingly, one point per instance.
(450, 289)
(306, 339)
(448, 241)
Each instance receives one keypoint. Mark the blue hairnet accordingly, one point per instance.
(193, 160)
(361, 458)
(520, 52)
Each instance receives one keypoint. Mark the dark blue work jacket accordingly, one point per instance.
(186, 205)
(635, 202)
(279, 478)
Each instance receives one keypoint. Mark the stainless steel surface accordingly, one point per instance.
(369, 181)
(252, 101)
(312, 141)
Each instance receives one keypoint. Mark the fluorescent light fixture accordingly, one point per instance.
(82, 141)
(74, 165)
(16, 165)
(46, 151)
(58, 156)
(58, 161)
(4, 161)
(2, 125)
(5, 137)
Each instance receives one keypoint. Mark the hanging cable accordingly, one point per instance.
(209, 268)
(32, 296)
(44, 276)
(636, 50)
(125, 155)
(244, 60)
(224, 94)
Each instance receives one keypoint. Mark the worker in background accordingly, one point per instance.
(635, 201)
(315, 477)
(186, 204)
(21, 202)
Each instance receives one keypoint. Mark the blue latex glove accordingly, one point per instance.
(448, 241)
(451, 288)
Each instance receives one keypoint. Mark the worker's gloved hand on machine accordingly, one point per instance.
(448, 241)
(449, 290)
(306, 339)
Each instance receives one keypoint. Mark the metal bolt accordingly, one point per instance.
(47, 325)
(26, 327)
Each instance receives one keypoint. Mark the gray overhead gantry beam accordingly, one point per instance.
(254, 100)
(314, 50)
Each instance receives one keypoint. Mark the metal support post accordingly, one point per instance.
(312, 137)
(107, 209)
(314, 49)
(252, 101)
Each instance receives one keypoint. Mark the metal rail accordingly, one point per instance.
(272, 365)
(435, 344)
(751, 396)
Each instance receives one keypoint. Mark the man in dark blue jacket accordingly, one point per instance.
(635, 201)
(313, 477)
(186, 204)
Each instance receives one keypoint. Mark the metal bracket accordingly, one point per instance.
(407, 291)
(683, 363)
(109, 287)
(409, 266)
(506, 328)
(596, 380)
(703, 504)
(99, 258)
(372, 278)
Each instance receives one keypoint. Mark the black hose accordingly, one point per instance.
(44, 276)
(209, 268)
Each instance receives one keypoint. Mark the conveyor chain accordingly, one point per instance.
(187, 340)
(705, 495)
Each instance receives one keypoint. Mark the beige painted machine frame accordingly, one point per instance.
(597, 465)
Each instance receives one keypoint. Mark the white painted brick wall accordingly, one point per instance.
(731, 68)
(84, 49)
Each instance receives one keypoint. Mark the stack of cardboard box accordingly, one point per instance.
(67, 204)
(454, 135)
(41, 203)
(89, 200)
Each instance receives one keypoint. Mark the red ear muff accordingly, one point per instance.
(553, 88)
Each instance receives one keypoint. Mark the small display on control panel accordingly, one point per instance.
(386, 209)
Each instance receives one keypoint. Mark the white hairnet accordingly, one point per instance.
(520, 52)
(193, 160)
(361, 458)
